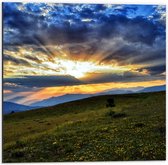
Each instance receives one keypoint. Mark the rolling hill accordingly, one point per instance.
(9, 107)
(60, 99)
(87, 130)
(153, 89)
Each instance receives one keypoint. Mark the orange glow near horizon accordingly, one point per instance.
(84, 89)
(7, 91)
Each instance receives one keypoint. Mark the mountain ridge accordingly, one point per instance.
(9, 107)
(60, 99)
(72, 97)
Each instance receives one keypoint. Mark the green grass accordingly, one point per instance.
(86, 130)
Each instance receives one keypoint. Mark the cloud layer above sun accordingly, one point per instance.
(54, 45)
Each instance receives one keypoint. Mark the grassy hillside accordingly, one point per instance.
(86, 130)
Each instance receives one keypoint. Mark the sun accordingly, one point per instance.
(76, 73)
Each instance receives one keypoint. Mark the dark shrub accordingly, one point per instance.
(113, 114)
(110, 103)
(139, 125)
(119, 115)
(41, 122)
(110, 113)
(29, 127)
(162, 130)
(20, 144)
(17, 153)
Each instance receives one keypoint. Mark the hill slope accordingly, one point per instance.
(8, 107)
(86, 130)
(153, 89)
(60, 99)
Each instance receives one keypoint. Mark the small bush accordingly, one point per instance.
(110, 113)
(20, 143)
(161, 130)
(29, 128)
(40, 122)
(69, 148)
(110, 103)
(113, 114)
(140, 125)
(119, 115)
(17, 153)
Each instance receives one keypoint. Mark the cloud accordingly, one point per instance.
(60, 30)
(15, 87)
(43, 81)
(131, 30)
(32, 58)
(15, 60)
(155, 70)
(120, 34)
(160, 14)
(127, 76)
(124, 10)
(66, 34)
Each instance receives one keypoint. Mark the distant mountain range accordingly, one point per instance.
(136, 90)
(60, 99)
(9, 107)
(72, 97)
(116, 91)
(153, 89)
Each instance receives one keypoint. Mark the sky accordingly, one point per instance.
(51, 49)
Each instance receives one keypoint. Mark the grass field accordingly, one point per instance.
(86, 130)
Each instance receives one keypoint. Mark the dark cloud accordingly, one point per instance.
(134, 30)
(79, 49)
(67, 34)
(147, 56)
(23, 25)
(32, 58)
(86, 13)
(16, 61)
(11, 48)
(132, 53)
(121, 55)
(125, 77)
(43, 81)
(113, 26)
(15, 18)
(155, 70)
(28, 25)
(29, 83)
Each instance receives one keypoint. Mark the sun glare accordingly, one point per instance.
(76, 69)
(80, 69)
